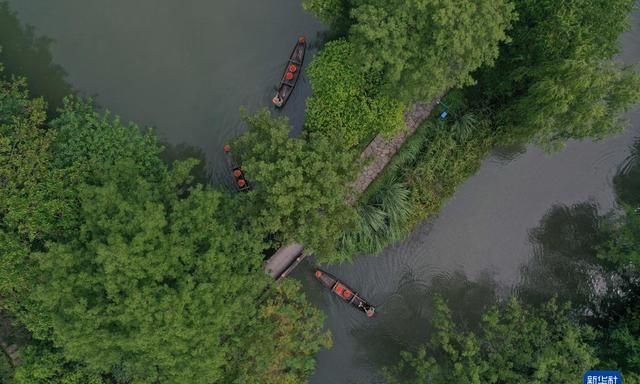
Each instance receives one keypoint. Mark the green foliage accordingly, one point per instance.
(120, 266)
(334, 13)
(618, 345)
(380, 220)
(43, 365)
(87, 139)
(417, 181)
(6, 371)
(284, 320)
(623, 248)
(425, 47)
(572, 99)
(555, 81)
(515, 344)
(300, 184)
(346, 104)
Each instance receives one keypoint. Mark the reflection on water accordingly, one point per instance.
(627, 179)
(404, 323)
(184, 68)
(507, 153)
(183, 151)
(564, 262)
(25, 54)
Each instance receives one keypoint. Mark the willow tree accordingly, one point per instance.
(515, 344)
(556, 80)
(421, 47)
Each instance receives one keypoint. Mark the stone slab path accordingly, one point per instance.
(380, 151)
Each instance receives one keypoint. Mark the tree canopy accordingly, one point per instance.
(555, 80)
(347, 105)
(300, 184)
(121, 267)
(515, 344)
(421, 48)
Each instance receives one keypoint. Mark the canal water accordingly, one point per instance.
(183, 67)
(186, 69)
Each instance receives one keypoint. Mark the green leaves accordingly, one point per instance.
(346, 105)
(121, 268)
(300, 184)
(555, 81)
(422, 48)
(515, 344)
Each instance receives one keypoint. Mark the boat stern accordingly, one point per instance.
(326, 279)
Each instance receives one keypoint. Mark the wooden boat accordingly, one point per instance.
(238, 176)
(347, 294)
(291, 74)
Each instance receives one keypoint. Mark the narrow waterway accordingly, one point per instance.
(186, 69)
(503, 230)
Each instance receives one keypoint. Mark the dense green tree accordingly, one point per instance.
(618, 318)
(300, 184)
(554, 81)
(425, 47)
(43, 364)
(334, 13)
(284, 319)
(623, 246)
(515, 344)
(119, 265)
(33, 202)
(346, 104)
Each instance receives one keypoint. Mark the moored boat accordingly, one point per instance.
(343, 291)
(291, 74)
(238, 175)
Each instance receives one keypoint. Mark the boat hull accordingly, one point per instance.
(286, 85)
(344, 292)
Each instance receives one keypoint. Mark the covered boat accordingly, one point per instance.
(291, 74)
(344, 292)
(238, 176)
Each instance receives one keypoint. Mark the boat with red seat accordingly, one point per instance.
(344, 292)
(291, 73)
(239, 180)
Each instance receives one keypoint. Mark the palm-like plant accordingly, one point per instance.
(380, 218)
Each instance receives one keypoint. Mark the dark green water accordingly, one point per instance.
(183, 67)
(186, 68)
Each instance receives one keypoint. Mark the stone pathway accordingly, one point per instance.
(381, 151)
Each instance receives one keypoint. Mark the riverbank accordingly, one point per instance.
(381, 150)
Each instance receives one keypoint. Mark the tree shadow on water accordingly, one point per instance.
(404, 320)
(564, 262)
(172, 152)
(24, 54)
(626, 182)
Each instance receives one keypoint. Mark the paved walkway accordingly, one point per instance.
(380, 151)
